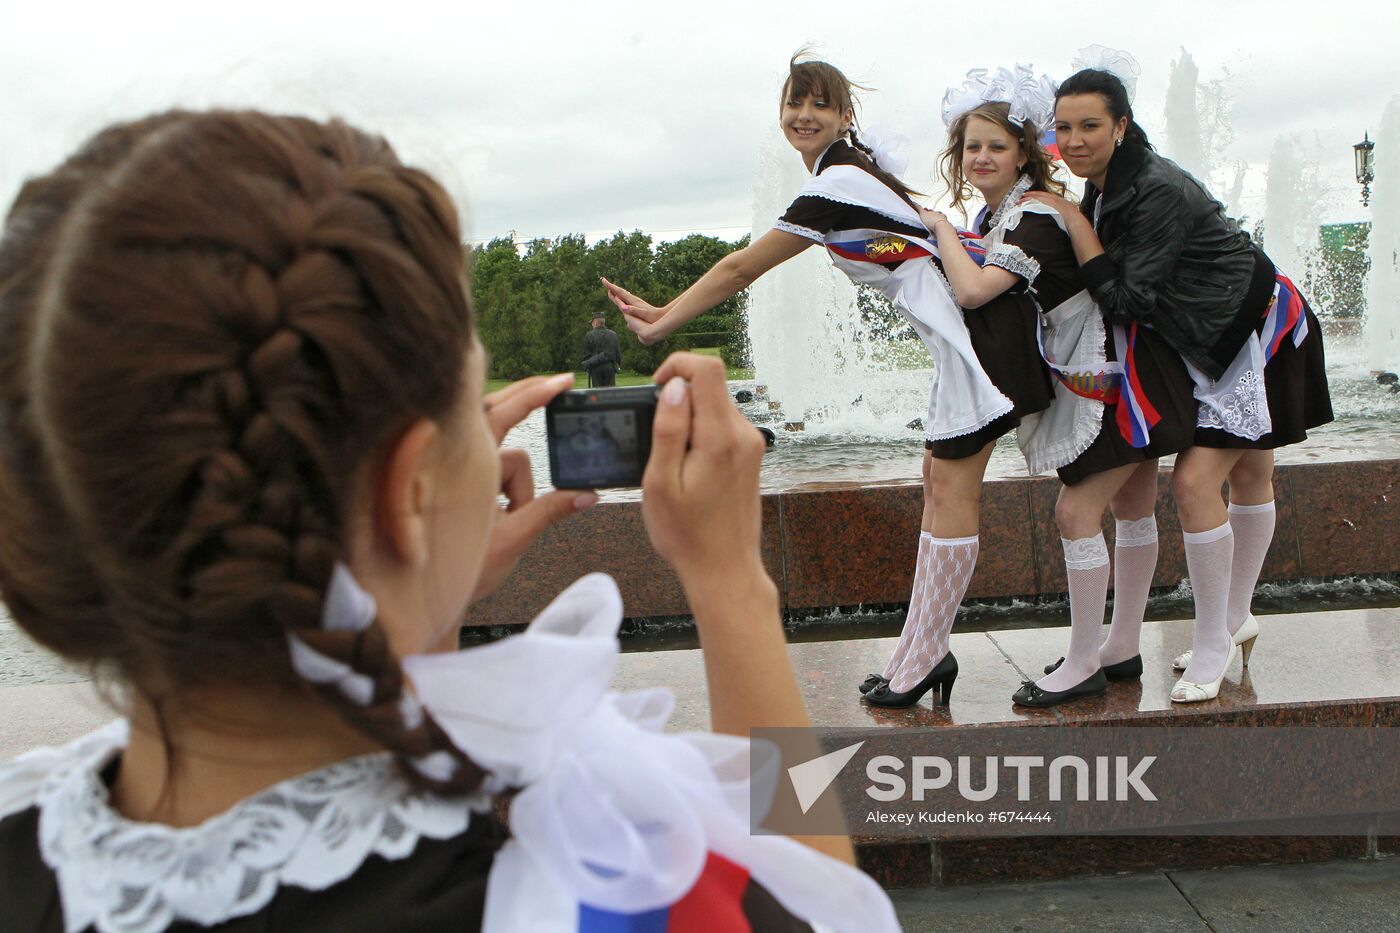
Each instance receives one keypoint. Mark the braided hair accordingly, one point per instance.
(210, 325)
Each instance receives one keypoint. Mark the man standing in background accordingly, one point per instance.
(601, 354)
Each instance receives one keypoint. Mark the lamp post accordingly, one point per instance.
(1365, 152)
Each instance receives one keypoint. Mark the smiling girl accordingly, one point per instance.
(864, 217)
(1161, 258)
(994, 149)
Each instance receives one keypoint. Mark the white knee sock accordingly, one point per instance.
(1134, 562)
(918, 598)
(1208, 558)
(950, 565)
(1253, 526)
(1086, 566)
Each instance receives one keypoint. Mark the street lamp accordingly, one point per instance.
(1365, 167)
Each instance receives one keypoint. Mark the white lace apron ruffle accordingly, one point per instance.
(1072, 335)
(1237, 402)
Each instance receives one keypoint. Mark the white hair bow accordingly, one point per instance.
(1031, 99)
(1118, 63)
(888, 148)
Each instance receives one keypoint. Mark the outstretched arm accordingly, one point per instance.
(728, 277)
(973, 285)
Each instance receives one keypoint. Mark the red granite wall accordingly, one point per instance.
(847, 546)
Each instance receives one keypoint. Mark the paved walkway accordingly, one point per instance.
(1330, 897)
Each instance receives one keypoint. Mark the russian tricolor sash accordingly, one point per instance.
(1283, 316)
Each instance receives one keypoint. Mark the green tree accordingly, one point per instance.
(506, 329)
(534, 310)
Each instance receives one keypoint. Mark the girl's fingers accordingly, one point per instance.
(510, 406)
(516, 482)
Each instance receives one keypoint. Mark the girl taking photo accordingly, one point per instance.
(249, 476)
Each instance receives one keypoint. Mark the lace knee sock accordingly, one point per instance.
(950, 565)
(1253, 526)
(1086, 565)
(1134, 562)
(918, 599)
(1208, 558)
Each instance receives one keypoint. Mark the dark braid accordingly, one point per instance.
(260, 305)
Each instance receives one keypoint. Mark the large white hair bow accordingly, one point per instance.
(888, 147)
(1031, 99)
(1116, 62)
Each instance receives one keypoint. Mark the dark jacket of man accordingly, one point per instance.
(602, 356)
(1173, 260)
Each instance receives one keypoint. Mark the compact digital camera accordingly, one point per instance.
(601, 438)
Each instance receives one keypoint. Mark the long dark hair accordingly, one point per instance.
(211, 324)
(1115, 95)
(824, 80)
(1039, 166)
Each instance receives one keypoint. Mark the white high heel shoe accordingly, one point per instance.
(1187, 692)
(1244, 637)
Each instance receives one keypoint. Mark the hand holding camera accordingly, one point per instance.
(700, 496)
(685, 443)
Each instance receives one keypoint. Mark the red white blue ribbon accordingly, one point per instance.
(1136, 417)
(1285, 315)
(878, 246)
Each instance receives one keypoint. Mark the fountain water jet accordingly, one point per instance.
(810, 346)
(1184, 144)
(1293, 205)
(1198, 130)
(1383, 282)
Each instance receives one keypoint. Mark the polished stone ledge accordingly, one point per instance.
(1296, 677)
(849, 546)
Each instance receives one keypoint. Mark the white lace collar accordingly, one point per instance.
(312, 831)
(1009, 202)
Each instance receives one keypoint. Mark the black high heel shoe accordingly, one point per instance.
(942, 676)
(1031, 695)
(872, 681)
(1130, 669)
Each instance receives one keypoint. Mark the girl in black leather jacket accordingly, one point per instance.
(1159, 256)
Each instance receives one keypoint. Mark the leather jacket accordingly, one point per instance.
(1172, 259)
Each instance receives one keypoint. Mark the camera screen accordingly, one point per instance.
(596, 448)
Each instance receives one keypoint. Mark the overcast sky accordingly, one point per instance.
(545, 117)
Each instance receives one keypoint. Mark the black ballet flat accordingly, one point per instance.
(1130, 669)
(942, 677)
(1031, 695)
(873, 681)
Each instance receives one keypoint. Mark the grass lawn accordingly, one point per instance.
(625, 378)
